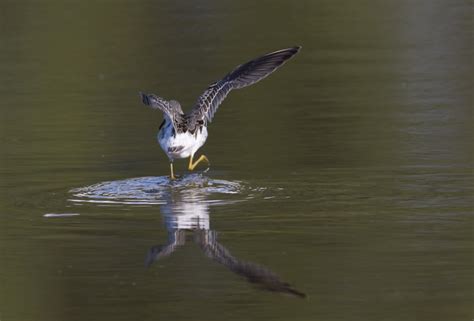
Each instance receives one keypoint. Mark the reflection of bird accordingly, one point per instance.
(254, 273)
(188, 211)
(180, 134)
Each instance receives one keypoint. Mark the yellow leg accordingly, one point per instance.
(172, 172)
(201, 158)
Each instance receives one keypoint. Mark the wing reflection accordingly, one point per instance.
(187, 212)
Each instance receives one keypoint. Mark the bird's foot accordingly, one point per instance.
(201, 158)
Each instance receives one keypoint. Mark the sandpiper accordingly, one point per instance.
(181, 135)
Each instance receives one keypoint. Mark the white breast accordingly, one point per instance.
(181, 145)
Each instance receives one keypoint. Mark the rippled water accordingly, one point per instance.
(154, 190)
(341, 187)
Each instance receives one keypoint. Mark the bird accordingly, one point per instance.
(181, 134)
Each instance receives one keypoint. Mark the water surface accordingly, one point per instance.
(346, 177)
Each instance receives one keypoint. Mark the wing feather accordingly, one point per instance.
(242, 76)
(170, 108)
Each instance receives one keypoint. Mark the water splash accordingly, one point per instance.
(154, 190)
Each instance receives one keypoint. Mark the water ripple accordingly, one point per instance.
(154, 190)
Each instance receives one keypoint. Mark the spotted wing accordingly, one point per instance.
(242, 76)
(170, 108)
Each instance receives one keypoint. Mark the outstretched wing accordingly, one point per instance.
(242, 76)
(170, 108)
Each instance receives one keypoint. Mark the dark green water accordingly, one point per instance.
(347, 174)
